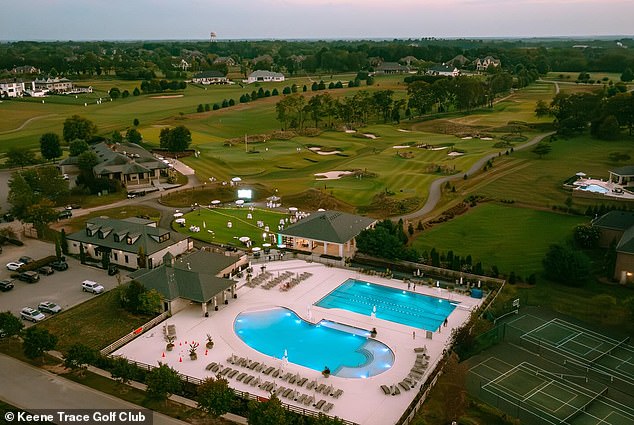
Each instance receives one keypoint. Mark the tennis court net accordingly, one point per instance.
(585, 405)
(608, 352)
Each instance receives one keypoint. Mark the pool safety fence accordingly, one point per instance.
(242, 394)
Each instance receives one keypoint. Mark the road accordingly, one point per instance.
(435, 191)
(46, 390)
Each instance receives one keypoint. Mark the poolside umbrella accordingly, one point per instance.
(580, 174)
(244, 239)
(329, 389)
(180, 220)
(236, 179)
(292, 209)
(240, 202)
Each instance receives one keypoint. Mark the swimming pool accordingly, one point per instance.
(404, 307)
(348, 352)
(594, 188)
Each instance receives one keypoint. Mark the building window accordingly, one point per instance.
(126, 259)
(116, 256)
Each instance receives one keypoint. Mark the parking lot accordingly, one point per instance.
(61, 287)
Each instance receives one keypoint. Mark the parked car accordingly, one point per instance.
(113, 269)
(49, 307)
(14, 265)
(46, 270)
(6, 285)
(59, 265)
(25, 259)
(91, 286)
(29, 277)
(31, 314)
(8, 217)
(64, 214)
(131, 195)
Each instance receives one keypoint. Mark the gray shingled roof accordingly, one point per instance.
(615, 220)
(628, 170)
(329, 226)
(193, 277)
(146, 236)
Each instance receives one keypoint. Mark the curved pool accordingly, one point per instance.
(348, 352)
(594, 188)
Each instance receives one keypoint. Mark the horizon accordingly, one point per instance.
(93, 20)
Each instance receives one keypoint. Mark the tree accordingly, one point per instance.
(135, 122)
(453, 388)
(77, 147)
(21, 195)
(10, 324)
(40, 215)
(542, 109)
(116, 137)
(77, 127)
(50, 146)
(565, 265)
(150, 302)
(604, 303)
(607, 128)
(130, 296)
(162, 382)
(122, 370)
(142, 256)
(37, 341)
(58, 249)
(86, 161)
(114, 93)
(20, 157)
(587, 236)
(136, 92)
(269, 412)
(133, 136)
(79, 356)
(175, 139)
(200, 108)
(542, 148)
(214, 396)
(627, 75)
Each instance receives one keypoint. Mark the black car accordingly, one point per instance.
(6, 285)
(8, 217)
(64, 214)
(46, 270)
(29, 277)
(60, 266)
(25, 259)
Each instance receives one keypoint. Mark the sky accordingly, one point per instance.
(310, 19)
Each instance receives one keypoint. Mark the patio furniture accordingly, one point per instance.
(311, 384)
(280, 390)
(216, 368)
(210, 366)
(404, 385)
(386, 389)
(422, 349)
(320, 388)
(287, 392)
(226, 370)
(319, 404)
(337, 393)
(241, 376)
(248, 379)
(268, 370)
(233, 373)
(309, 400)
(302, 381)
(301, 398)
(395, 390)
(328, 407)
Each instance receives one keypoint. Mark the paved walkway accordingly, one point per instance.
(46, 390)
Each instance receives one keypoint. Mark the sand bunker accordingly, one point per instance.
(439, 149)
(486, 138)
(172, 96)
(467, 138)
(369, 135)
(318, 151)
(455, 153)
(404, 131)
(351, 131)
(401, 147)
(332, 175)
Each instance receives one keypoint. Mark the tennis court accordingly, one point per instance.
(550, 398)
(580, 346)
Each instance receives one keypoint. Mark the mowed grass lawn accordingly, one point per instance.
(213, 225)
(511, 238)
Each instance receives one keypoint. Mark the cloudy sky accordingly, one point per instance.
(242, 19)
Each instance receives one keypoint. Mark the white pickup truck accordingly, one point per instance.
(93, 287)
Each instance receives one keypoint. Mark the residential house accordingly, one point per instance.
(201, 277)
(326, 232)
(183, 65)
(484, 64)
(391, 68)
(12, 87)
(225, 60)
(132, 165)
(264, 76)
(210, 77)
(443, 70)
(123, 241)
(26, 69)
(458, 61)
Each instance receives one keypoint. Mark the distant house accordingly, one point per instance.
(12, 87)
(264, 76)
(183, 65)
(225, 60)
(458, 61)
(617, 228)
(123, 239)
(443, 70)
(210, 77)
(128, 163)
(26, 69)
(484, 64)
(326, 232)
(202, 277)
(391, 68)
(53, 85)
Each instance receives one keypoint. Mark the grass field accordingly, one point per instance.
(513, 239)
(213, 225)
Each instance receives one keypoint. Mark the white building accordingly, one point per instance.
(210, 77)
(264, 76)
(12, 88)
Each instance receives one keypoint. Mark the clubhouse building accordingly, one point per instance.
(326, 232)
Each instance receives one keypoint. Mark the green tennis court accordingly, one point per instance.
(550, 398)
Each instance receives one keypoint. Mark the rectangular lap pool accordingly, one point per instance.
(404, 307)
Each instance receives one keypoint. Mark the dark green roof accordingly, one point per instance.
(628, 170)
(615, 220)
(101, 231)
(329, 226)
(192, 277)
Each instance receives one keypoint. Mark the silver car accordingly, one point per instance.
(49, 307)
(31, 314)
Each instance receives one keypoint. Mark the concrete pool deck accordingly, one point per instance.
(362, 400)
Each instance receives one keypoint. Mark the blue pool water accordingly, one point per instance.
(347, 351)
(594, 188)
(404, 307)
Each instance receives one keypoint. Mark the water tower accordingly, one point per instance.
(212, 37)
